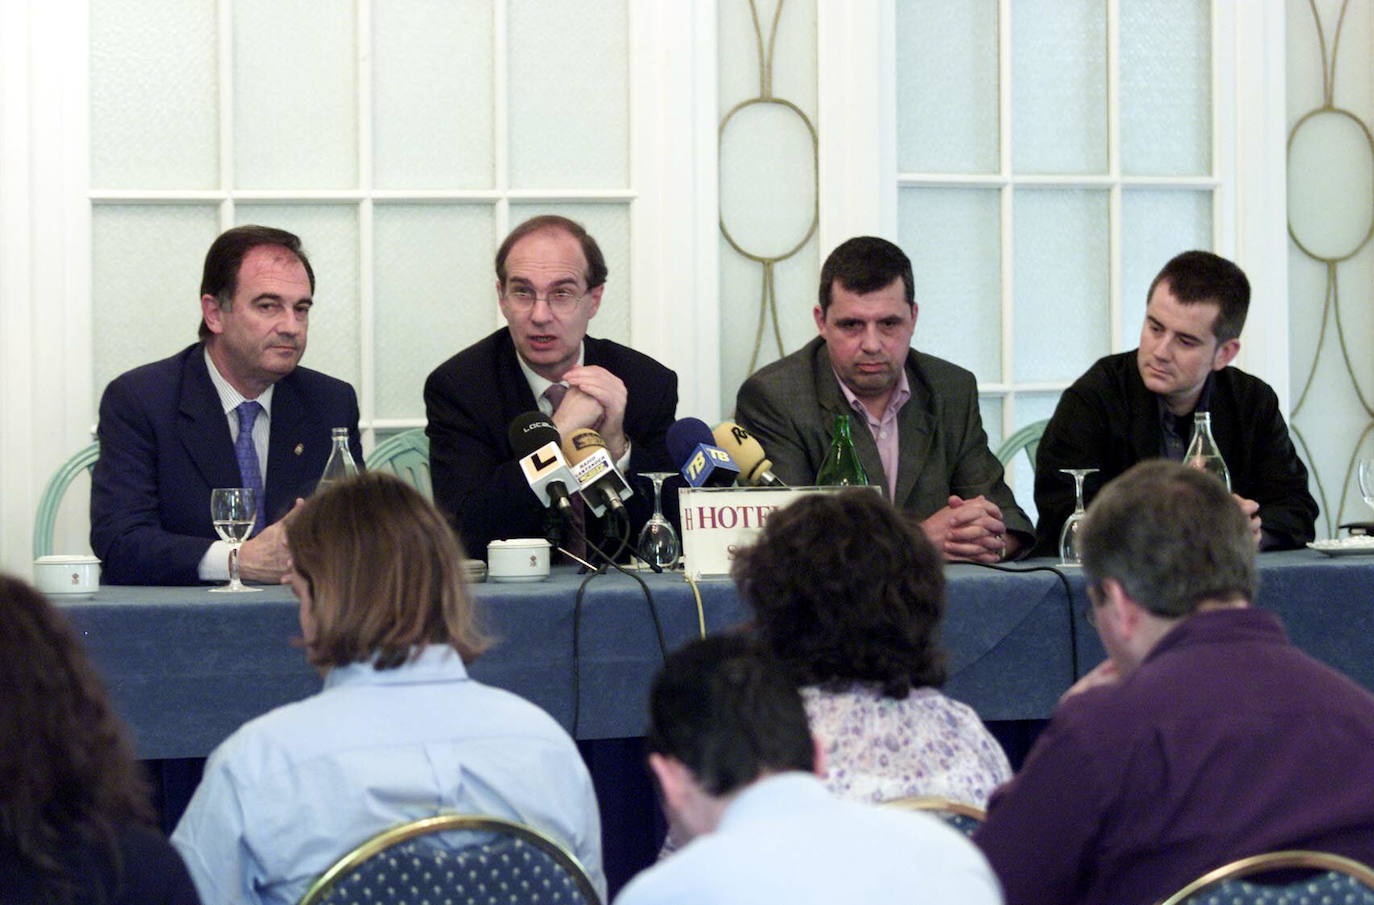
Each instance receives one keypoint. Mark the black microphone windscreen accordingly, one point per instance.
(684, 436)
(530, 431)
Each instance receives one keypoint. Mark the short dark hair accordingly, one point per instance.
(596, 262)
(866, 264)
(845, 590)
(724, 709)
(1172, 536)
(220, 277)
(1201, 277)
(385, 574)
(69, 775)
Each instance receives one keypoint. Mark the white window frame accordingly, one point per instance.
(860, 179)
(48, 403)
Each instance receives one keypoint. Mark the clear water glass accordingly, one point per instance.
(658, 543)
(1069, 552)
(234, 510)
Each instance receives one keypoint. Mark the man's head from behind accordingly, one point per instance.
(256, 291)
(867, 314)
(378, 573)
(722, 714)
(1168, 539)
(550, 274)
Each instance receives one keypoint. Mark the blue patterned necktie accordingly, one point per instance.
(247, 453)
(573, 542)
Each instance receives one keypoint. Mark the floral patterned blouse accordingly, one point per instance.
(880, 748)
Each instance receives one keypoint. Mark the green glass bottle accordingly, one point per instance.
(841, 467)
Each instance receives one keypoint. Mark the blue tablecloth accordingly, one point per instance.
(186, 667)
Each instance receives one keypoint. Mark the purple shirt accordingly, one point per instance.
(884, 430)
(1226, 742)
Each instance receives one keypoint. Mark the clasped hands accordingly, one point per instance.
(596, 400)
(970, 530)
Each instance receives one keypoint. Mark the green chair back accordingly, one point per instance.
(1027, 438)
(406, 455)
(48, 503)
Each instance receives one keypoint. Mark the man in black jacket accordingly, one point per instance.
(550, 275)
(1140, 405)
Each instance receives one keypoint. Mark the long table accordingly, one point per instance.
(186, 667)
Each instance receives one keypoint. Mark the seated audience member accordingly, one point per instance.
(729, 746)
(232, 410)
(399, 732)
(1204, 738)
(917, 428)
(849, 598)
(75, 818)
(1140, 404)
(550, 275)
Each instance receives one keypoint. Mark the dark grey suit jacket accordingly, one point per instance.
(791, 404)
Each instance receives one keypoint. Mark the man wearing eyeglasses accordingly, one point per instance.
(550, 275)
(1205, 737)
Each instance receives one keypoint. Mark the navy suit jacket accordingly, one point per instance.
(165, 444)
(472, 398)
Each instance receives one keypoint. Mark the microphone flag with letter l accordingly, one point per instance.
(701, 462)
(536, 442)
(601, 483)
(754, 466)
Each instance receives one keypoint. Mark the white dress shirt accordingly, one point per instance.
(214, 565)
(785, 839)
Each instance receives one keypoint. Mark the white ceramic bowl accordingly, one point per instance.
(519, 559)
(67, 576)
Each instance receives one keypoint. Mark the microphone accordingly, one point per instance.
(754, 466)
(702, 463)
(535, 441)
(600, 481)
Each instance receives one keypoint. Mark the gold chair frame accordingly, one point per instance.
(1270, 861)
(938, 803)
(446, 823)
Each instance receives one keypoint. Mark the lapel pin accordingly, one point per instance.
(300, 448)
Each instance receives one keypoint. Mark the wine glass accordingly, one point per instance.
(1366, 477)
(233, 511)
(1069, 554)
(658, 544)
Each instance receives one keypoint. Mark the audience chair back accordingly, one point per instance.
(1332, 878)
(51, 500)
(406, 455)
(462, 858)
(962, 816)
(1027, 438)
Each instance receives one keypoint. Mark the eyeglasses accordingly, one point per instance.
(561, 300)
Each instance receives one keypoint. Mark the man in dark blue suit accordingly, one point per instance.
(549, 278)
(233, 410)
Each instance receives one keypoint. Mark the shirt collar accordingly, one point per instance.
(538, 383)
(900, 394)
(231, 398)
(781, 793)
(431, 663)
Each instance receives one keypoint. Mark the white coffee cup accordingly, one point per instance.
(519, 559)
(67, 576)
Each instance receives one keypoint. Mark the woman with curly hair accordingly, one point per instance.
(75, 818)
(849, 597)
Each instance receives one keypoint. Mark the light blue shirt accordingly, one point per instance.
(785, 839)
(292, 791)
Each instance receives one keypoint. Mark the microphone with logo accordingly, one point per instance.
(702, 463)
(535, 441)
(601, 483)
(754, 467)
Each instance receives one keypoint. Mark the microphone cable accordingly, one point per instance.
(609, 563)
(1068, 596)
